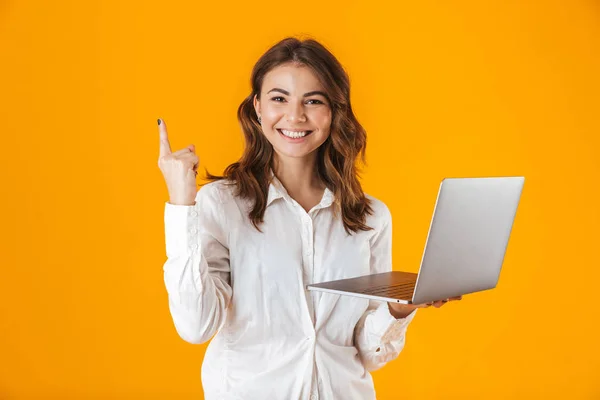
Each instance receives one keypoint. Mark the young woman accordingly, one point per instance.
(290, 212)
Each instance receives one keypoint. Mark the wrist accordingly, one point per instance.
(177, 202)
(400, 310)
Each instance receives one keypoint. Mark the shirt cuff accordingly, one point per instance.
(181, 229)
(392, 328)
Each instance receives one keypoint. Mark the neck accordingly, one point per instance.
(298, 175)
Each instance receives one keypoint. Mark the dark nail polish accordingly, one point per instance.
(159, 121)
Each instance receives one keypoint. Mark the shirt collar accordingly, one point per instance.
(276, 191)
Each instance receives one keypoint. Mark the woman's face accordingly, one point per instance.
(296, 115)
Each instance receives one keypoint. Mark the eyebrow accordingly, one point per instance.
(305, 94)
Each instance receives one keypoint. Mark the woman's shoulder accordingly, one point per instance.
(221, 190)
(381, 212)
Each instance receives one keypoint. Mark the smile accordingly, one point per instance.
(294, 134)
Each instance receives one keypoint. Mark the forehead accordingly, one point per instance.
(293, 78)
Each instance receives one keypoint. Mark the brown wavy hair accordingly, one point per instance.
(337, 156)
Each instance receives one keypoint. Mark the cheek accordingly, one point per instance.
(322, 137)
(271, 113)
(323, 133)
(322, 119)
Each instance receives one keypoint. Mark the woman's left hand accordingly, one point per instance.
(399, 310)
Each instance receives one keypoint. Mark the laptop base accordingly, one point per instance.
(393, 286)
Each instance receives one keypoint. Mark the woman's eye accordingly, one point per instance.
(279, 97)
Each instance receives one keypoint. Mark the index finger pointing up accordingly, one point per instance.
(165, 146)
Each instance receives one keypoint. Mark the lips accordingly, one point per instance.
(308, 132)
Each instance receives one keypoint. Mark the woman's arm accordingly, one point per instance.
(379, 336)
(197, 273)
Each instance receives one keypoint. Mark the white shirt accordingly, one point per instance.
(274, 338)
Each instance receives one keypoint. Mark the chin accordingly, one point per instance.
(293, 153)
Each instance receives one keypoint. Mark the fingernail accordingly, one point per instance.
(159, 121)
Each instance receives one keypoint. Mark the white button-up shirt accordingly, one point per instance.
(274, 338)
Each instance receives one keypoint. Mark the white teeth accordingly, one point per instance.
(294, 135)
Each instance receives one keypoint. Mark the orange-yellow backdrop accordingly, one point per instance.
(443, 89)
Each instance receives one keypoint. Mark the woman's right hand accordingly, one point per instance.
(400, 310)
(179, 169)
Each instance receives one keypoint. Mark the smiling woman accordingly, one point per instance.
(289, 213)
(300, 87)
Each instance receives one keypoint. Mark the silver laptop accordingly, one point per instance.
(464, 251)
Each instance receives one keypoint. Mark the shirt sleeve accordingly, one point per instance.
(197, 272)
(378, 336)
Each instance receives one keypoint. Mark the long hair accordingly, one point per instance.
(336, 157)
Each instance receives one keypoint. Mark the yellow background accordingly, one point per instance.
(481, 88)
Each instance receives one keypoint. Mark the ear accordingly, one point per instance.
(256, 103)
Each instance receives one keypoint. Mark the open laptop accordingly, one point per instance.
(464, 251)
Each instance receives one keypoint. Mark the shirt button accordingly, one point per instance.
(193, 230)
(194, 213)
(313, 397)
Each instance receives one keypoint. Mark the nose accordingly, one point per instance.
(296, 112)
